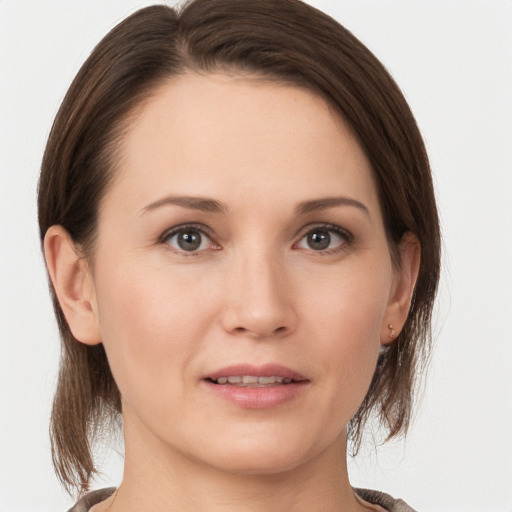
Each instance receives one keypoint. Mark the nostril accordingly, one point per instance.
(259, 321)
(257, 334)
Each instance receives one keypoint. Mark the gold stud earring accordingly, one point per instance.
(392, 334)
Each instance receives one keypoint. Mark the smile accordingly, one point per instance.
(252, 381)
(250, 386)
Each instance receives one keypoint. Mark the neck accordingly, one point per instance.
(160, 479)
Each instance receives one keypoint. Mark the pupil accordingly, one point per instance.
(319, 240)
(189, 240)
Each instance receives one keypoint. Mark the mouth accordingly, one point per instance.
(253, 381)
(248, 386)
(250, 376)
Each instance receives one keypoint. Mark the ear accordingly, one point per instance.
(73, 285)
(403, 288)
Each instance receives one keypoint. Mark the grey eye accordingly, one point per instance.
(321, 239)
(189, 240)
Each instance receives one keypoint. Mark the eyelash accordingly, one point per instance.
(164, 239)
(329, 228)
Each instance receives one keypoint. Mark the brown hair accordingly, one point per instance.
(282, 40)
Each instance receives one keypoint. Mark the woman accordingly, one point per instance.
(240, 229)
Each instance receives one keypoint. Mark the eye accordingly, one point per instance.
(188, 239)
(324, 238)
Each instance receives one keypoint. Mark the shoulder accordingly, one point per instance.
(384, 500)
(375, 497)
(91, 499)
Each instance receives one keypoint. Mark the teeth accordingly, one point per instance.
(266, 380)
(253, 380)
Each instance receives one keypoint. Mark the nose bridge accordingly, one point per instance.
(258, 302)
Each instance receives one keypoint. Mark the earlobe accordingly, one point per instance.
(73, 285)
(403, 289)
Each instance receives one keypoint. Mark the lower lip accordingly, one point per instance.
(258, 397)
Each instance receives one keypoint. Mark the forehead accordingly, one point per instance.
(216, 134)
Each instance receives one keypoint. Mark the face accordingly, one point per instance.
(241, 278)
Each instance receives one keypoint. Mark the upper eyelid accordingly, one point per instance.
(181, 227)
(338, 230)
(327, 226)
(170, 233)
(297, 237)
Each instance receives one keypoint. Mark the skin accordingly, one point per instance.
(256, 291)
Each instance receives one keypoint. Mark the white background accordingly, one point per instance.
(453, 60)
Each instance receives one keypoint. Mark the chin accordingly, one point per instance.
(257, 455)
(260, 465)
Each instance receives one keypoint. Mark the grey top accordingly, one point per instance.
(386, 501)
(375, 497)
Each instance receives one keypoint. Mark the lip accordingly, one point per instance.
(266, 370)
(257, 397)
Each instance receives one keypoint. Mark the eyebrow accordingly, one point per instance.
(329, 202)
(203, 204)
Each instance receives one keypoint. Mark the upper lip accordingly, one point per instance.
(266, 370)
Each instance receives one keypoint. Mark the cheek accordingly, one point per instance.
(150, 328)
(351, 306)
(347, 324)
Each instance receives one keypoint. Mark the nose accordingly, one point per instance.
(258, 302)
